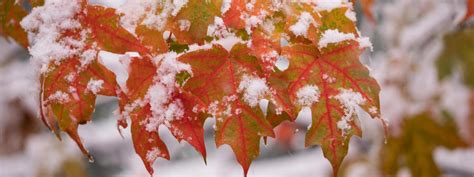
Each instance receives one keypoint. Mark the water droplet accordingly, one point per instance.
(91, 159)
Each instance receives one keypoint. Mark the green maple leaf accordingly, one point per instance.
(414, 148)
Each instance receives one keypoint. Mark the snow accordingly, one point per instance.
(270, 58)
(178, 4)
(253, 89)
(95, 85)
(252, 21)
(343, 125)
(351, 15)
(45, 24)
(300, 28)
(329, 5)
(334, 36)
(307, 95)
(218, 28)
(146, 12)
(164, 108)
(88, 56)
(364, 42)
(59, 96)
(152, 154)
(349, 100)
(184, 25)
(225, 6)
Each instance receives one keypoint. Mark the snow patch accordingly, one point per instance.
(178, 4)
(254, 89)
(300, 28)
(307, 95)
(364, 42)
(349, 100)
(351, 15)
(334, 36)
(95, 85)
(153, 154)
(163, 107)
(225, 6)
(329, 4)
(218, 28)
(184, 25)
(59, 96)
(45, 24)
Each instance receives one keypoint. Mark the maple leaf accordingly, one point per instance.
(218, 80)
(458, 52)
(242, 15)
(104, 25)
(470, 9)
(138, 105)
(414, 147)
(332, 84)
(70, 85)
(11, 14)
(180, 90)
(199, 14)
(68, 95)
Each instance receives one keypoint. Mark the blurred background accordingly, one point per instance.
(423, 58)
